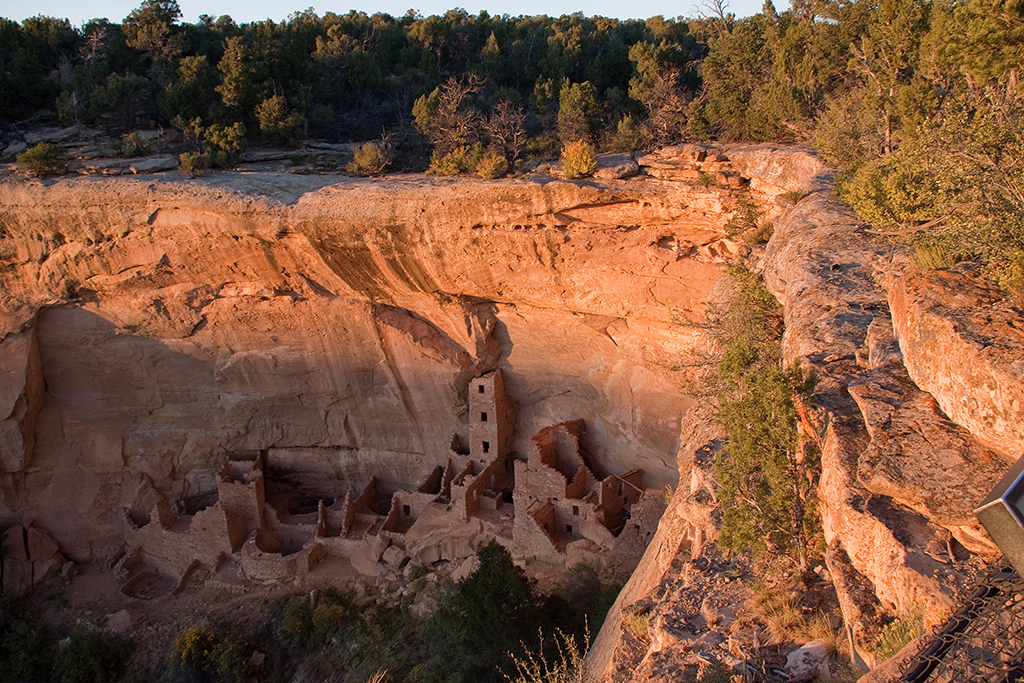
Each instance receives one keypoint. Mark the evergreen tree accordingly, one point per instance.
(481, 619)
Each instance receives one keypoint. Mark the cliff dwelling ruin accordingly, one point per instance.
(273, 517)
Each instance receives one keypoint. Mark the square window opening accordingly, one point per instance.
(487, 446)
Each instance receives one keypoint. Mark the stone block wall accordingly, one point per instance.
(171, 549)
(491, 417)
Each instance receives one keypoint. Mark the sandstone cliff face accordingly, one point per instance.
(915, 415)
(153, 325)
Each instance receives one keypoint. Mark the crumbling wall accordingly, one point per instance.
(291, 536)
(169, 545)
(530, 532)
(360, 504)
(264, 565)
(577, 488)
(542, 483)
(241, 490)
(331, 518)
(468, 490)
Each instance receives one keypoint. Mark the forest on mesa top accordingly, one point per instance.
(916, 101)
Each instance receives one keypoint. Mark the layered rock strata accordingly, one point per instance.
(902, 468)
(152, 326)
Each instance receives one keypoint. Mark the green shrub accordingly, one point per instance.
(761, 234)
(194, 164)
(492, 166)
(638, 624)
(193, 649)
(225, 143)
(296, 625)
(278, 124)
(230, 656)
(934, 254)
(579, 159)
(131, 145)
(630, 136)
(89, 658)
(211, 655)
(744, 218)
(461, 160)
(369, 160)
(44, 159)
(24, 644)
(765, 477)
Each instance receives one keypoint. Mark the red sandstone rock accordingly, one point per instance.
(964, 343)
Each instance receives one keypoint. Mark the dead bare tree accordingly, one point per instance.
(506, 130)
(454, 123)
(716, 12)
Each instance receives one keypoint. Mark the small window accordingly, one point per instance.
(406, 511)
(568, 528)
(487, 446)
(576, 510)
(483, 417)
(479, 388)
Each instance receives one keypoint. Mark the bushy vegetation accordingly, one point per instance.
(43, 160)
(897, 634)
(579, 159)
(369, 160)
(25, 646)
(89, 658)
(765, 474)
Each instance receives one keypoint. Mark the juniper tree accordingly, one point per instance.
(764, 476)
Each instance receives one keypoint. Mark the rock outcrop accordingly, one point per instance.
(901, 473)
(150, 327)
(172, 322)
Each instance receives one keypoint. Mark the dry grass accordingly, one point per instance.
(786, 622)
(637, 624)
(568, 667)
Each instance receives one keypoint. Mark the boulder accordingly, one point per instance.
(808, 663)
(394, 557)
(14, 149)
(616, 166)
(120, 622)
(963, 342)
(921, 459)
(154, 164)
(40, 546)
(14, 544)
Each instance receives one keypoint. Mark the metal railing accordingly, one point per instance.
(982, 641)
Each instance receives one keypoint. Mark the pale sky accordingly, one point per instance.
(241, 11)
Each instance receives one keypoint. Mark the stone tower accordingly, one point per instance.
(492, 418)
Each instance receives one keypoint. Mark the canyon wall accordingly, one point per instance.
(916, 416)
(151, 326)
